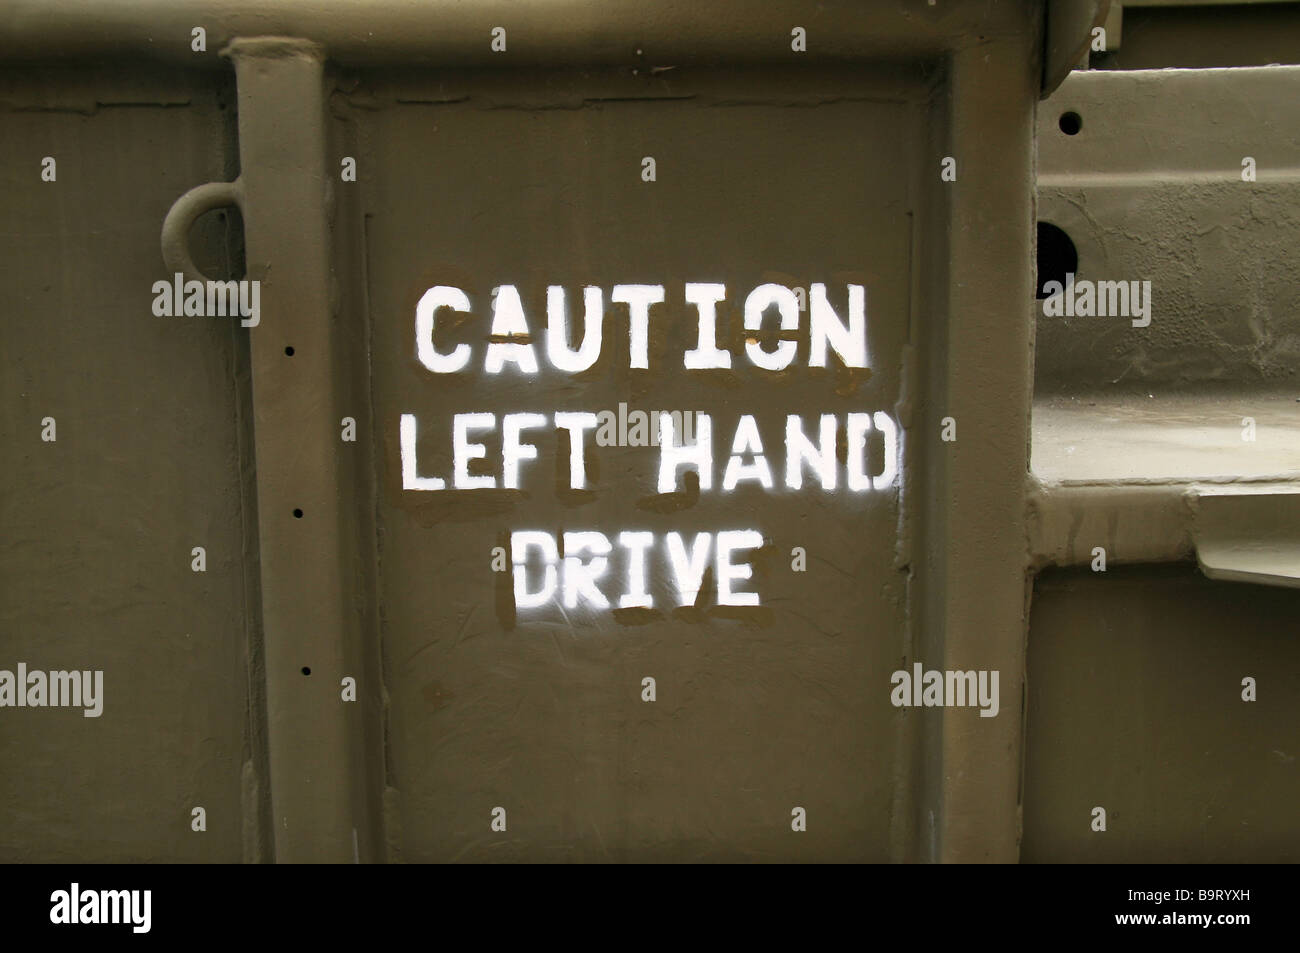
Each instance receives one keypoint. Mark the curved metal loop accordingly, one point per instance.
(181, 217)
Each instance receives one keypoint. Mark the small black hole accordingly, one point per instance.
(1057, 257)
(1070, 123)
(288, 351)
(306, 670)
(297, 514)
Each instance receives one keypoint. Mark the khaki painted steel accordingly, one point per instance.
(339, 586)
(443, 33)
(1173, 439)
(151, 460)
(1135, 406)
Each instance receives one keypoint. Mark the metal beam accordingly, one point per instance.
(1239, 530)
(284, 202)
(1249, 536)
(449, 33)
(986, 383)
(1132, 522)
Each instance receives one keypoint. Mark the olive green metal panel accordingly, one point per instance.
(804, 169)
(537, 180)
(1136, 706)
(1200, 34)
(1167, 432)
(147, 461)
(1187, 180)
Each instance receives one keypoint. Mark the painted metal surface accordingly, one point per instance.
(768, 168)
(150, 458)
(540, 710)
(1154, 185)
(1249, 537)
(1171, 439)
(447, 33)
(1135, 706)
(1187, 180)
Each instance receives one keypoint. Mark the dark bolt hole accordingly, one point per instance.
(1056, 257)
(306, 670)
(1070, 123)
(297, 514)
(289, 351)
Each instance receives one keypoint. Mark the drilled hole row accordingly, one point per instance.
(297, 513)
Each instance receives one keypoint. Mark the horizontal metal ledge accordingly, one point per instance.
(1171, 178)
(457, 33)
(1133, 522)
(1249, 536)
(1240, 530)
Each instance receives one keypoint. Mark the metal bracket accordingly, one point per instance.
(1067, 35)
(181, 217)
(1249, 536)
